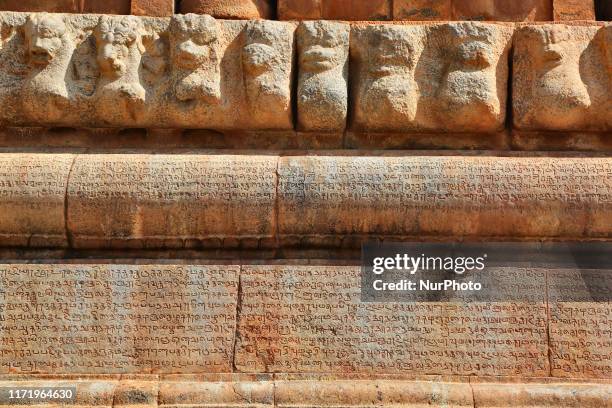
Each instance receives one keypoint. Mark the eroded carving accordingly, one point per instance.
(196, 59)
(266, 63)
(119, 94)
(559, 82)
(469, 66)
(322, 86)
(386, 93)
(49, 51)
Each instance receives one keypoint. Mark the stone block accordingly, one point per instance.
(105, 6)
(334, 10)
(564, 10)
(322, 93)
(235, 9)
(51, 6)
(154, 8)
(437, 77)
(422, 10)
(311, 319)
(562, 77)
(111, 319)
(175, 201)
(188, 71)
(503, 10)
(329, 197)
(32, 199)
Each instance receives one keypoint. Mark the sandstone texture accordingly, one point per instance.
(235, 9)
(146, 201)
(311, 319)
(183, 72)
(322, 93)
(155, 8)
(323, 199)
(32, 202)
(503, 10)
(562, 77)
(573, 10)
(69, 6)
(334, 9)
(430, 77)
(422, 10)
(110, 319)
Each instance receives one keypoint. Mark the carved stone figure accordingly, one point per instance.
(119, 94)
(468, 96)
(196, 58)
(266, 64)
(322, 86)
(550, 90)
(49, 50)
(387, 93)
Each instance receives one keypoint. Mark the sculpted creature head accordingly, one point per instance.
(472, 48)
(117, 39)
(259, 55)
(194, 40)
(321, 46)
(45, 35)
(393, 52)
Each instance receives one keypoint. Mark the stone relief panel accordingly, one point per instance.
(111, 319)
(175, 201)
(440, 77)
(562, 78)
(322, 90)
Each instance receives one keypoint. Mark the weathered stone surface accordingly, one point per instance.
(235, 390)
(191, 71)
(117, 318)
(544, 393)
(436, 77)
(422, 10)
(342, 197)
(322, 93)
(155, 8)
(504, 10)
(301, 390)
(573, 10)
(311, 319)
(32, 199)
(242, 9)
(562, 77)
(51, 6)
(334, 9)
(581, 324)
(171, 200)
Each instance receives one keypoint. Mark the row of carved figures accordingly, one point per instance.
(195, 71)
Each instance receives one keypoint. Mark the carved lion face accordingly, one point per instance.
(44, 36)
(116, 39)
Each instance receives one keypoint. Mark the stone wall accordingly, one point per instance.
(183, 198)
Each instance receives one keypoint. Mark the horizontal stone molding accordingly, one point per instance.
(105, 318)
(196, 72)
(251, 201)
(295, 391)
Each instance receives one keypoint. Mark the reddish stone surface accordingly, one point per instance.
(56, 6)
(237, 9)
(502, 10)
(573, 10)
(156, 8)
(106, 6)
(334, 9)
(420, 10)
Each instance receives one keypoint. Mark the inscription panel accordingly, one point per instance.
(310, 319)
(32, 198)
(445, 196)
(581, 323)
(171, 200)
(117, 318)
